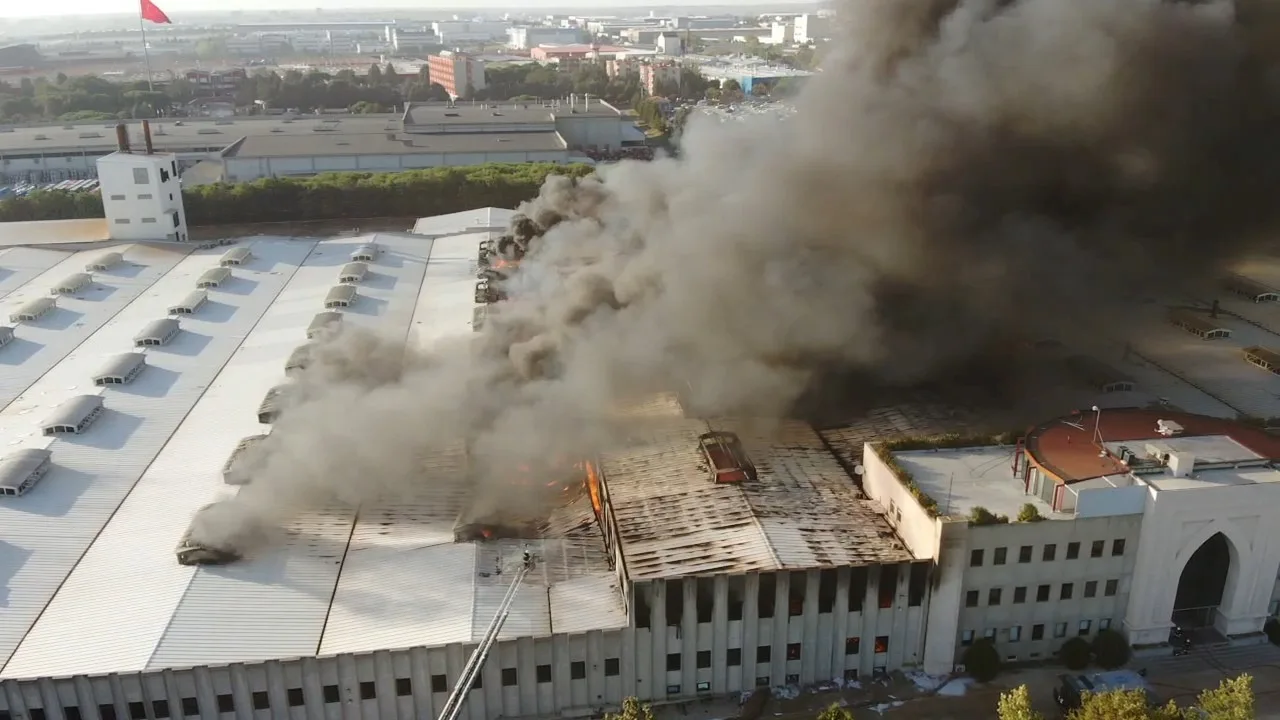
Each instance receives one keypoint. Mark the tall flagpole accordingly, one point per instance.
(146, 53)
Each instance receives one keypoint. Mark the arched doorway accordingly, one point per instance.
(1203, 582)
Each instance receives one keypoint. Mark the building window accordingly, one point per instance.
(542, 673)
(1050, 552)
(1073, 550)
(226, 704)
(1091, 589)
(975, 558)
(971, 598)
(108, 712)
(966, 638)
(511, 678)
(857, 589)
(1037, 632)
(1095, 549)
(330, 693)
(704, 659)
(190, 706)
(159, 709)
(673, 662)
(1110, 588)
(117, 197)
(138, 711)
(439, 684)
(1042, 593)
(993, 596)
(142, 177)
(888, 586)
(764, 654)
(1019, 595)
(766, 595)
(989, 634)
(1085, 626)
(733, 658)
(793, 651)
(71, 712)
(1104, 624)
(38, 714)
(148, 221)
(1001, 555)
(612, 667)
(368, 690)
(1060, 630)
(852, 645)
(578, 670)
(144, 196)
(917, 583)
(122, 221)
(1015, 633)
(1024, 554)
(261, 700)
(826, 590)
(1117, 547)
(882, 644)
(1066, 591)
(762, 681)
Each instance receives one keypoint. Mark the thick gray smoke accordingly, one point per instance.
(958, 170)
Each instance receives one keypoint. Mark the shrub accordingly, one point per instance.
(1110, 649)
(982, 661)
(904, 476)
(1029, 513)
(1075, 653)
(982, 516)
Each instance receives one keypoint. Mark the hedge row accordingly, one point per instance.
(329, 196)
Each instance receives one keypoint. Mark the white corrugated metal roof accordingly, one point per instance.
(76, 318)
(20, 265)
(468, 221)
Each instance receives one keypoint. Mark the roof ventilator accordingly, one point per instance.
(120, 370)
(157, 332)
(74, 416)
(21, 469)
(727, 461)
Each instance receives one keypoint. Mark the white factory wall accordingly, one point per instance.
(584, 131)
(525, 677)
(238, 169)
(1177, 523)
(142, 197)
(926, 537)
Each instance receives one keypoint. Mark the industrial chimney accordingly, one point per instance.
(122, 138)
(146, 137)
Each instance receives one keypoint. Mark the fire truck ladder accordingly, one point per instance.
(453, 706)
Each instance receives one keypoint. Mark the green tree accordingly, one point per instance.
(982, 516)
(1016, 705)
(632, 709)
(835, 712)
(1075, 653)
(1029, 513)
(982, 660)
(1110, 649)
(1233, 699)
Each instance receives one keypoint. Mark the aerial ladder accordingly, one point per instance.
(453, 705)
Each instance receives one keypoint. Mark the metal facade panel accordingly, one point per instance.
(21, 265)
(467, 221)
(447, 303)
(61, 331)
(530, 611)
(388, 297)
(109, 614)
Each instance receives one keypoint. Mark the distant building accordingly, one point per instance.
(783, 33)
(455, 71)
(653, 74)
(811, 28)
(406, 41)
(209, 83)
(455, 32)
(560, 53)
(670, 43)
(215, 107)
(527, 38)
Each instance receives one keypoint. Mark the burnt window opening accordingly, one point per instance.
(137, 710)
(673, 662)
(826, 590)
(159, 709)
(107, 711)
(71, 712)
(737, 596)
(510, 677)
(888, 585)
(852, 645)
(439, 684)
(261, 700)
(226, 703)
(797, 588)
(706, 598)
(704, 659)
(643, 605)
(857, 589)
(297, 699)
(882, 644)
(675, 602)
(190, 706)
(331, 694)
(766, 595)
(368, 690)
(543, 673)
(612, 667)
(733, 658)
(793, 651)
(764, 654)
(578, 670)
(916, 586)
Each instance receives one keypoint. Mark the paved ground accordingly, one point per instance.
(1180, 679)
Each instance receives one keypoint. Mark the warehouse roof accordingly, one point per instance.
(129, 485)
(802, 512)
(381, 144)
(480, 113)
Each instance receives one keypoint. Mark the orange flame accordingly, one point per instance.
(593, 487)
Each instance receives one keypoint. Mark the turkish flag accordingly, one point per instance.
(154, 14)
